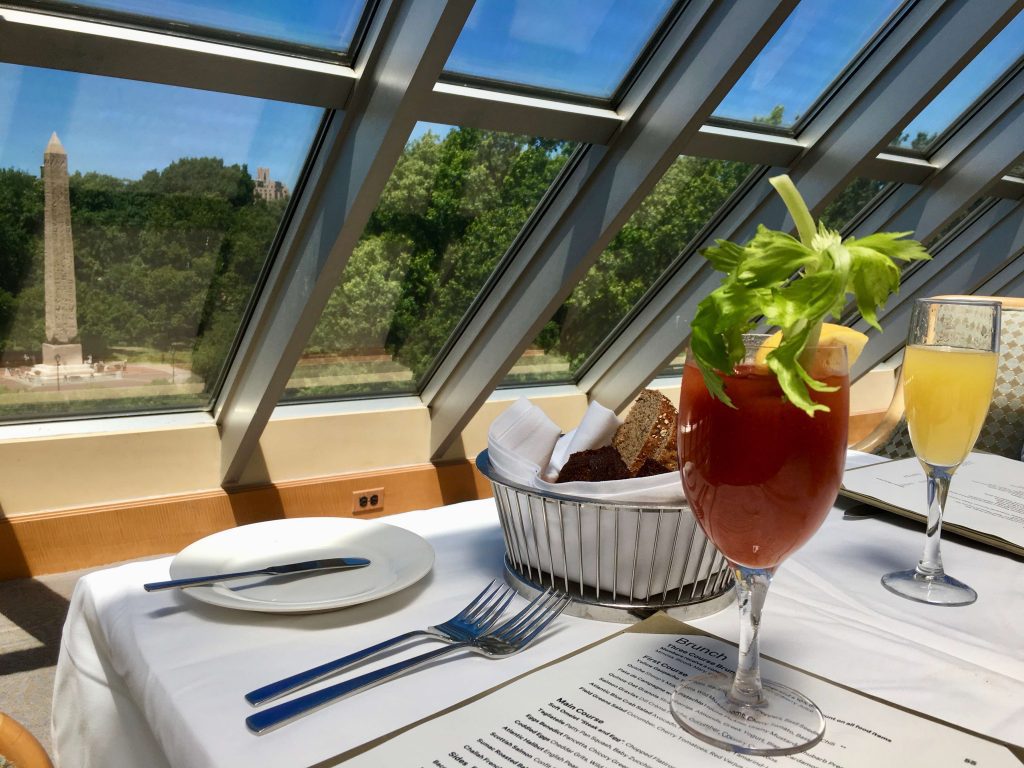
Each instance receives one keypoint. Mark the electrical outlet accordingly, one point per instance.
(370, 500)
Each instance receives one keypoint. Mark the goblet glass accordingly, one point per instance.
(949, 371)
(760, 478)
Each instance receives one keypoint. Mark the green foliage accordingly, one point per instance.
(450, 210)
(793, 284)
(681, 203)
(171, 259)
(21, 215)
(850, 202)
(158, 261)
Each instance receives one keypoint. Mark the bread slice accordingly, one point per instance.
(648, 432)
(594, 466)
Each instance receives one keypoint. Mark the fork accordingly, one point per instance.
(510, 638)
(469, 623)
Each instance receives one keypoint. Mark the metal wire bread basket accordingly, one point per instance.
(620, 562)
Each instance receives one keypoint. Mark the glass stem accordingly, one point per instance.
(751, 590)
(938, 486)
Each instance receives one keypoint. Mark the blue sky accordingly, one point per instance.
(321, 23)
(125, 128)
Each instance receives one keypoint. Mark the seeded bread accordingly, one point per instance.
(593, 466)
(648, 433)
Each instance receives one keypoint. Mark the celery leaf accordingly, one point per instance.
(793, 284)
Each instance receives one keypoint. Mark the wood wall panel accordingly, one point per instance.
(53, 542)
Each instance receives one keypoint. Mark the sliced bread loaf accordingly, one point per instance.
(648, 432)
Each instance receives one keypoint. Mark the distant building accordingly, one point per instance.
(267, 188)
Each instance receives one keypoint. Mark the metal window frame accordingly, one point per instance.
(190, 30)
(704, 54)
(412, 42)
(984, 257)
(919, 56)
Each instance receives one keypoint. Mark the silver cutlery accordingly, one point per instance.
(309, 566)
(510, 638)
(469, 623)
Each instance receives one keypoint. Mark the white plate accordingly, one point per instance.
(397, 557)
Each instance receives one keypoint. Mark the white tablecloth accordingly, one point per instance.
(157, 679)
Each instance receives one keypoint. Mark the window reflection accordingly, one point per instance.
(327, 24)
(965, 88)
(809, 50)
(577, 46)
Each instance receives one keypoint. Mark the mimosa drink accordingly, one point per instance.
(949, 371)
(946, 394)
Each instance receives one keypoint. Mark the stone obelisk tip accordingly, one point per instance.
(54, 147)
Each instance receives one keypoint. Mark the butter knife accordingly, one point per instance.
(327, 564)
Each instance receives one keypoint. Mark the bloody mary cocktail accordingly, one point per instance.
(760, 476)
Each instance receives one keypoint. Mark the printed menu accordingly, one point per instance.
(985, 503)
(607, 707)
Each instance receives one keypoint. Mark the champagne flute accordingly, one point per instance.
(949, 372)
(760, 478)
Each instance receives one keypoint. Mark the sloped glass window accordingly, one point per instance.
(582, 47)
(1005, 48)
(682, 202)
(135, 220)
(811, 48)
(851, 201)
(954, 224)
(324, 24)
(455, 202)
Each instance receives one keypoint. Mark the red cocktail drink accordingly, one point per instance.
(760, 476)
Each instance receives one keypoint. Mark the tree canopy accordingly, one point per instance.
(171, 259)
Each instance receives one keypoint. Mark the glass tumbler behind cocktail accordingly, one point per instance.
(760, 477)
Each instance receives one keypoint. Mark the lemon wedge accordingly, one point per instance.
(831, 333)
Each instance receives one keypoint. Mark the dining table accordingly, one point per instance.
(158, 679)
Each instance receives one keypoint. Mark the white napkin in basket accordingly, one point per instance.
(523, 439)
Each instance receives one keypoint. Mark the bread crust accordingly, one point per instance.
(648, 432)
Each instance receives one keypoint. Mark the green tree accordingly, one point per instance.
(21, 218)
(359, 312)
(450, 210)
(682, 202)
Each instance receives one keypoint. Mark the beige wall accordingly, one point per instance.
(54, 472)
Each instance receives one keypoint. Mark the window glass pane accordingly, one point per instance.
(127, 262)
(850, 202)
(807, 53)
(455, 202)
(965, 88)
(578, 46)
(678, 207)
(321, 24)
(953, 225)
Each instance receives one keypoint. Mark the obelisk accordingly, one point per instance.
(59, 261)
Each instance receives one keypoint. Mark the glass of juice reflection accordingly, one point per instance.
(760, 477)
(949, 371)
